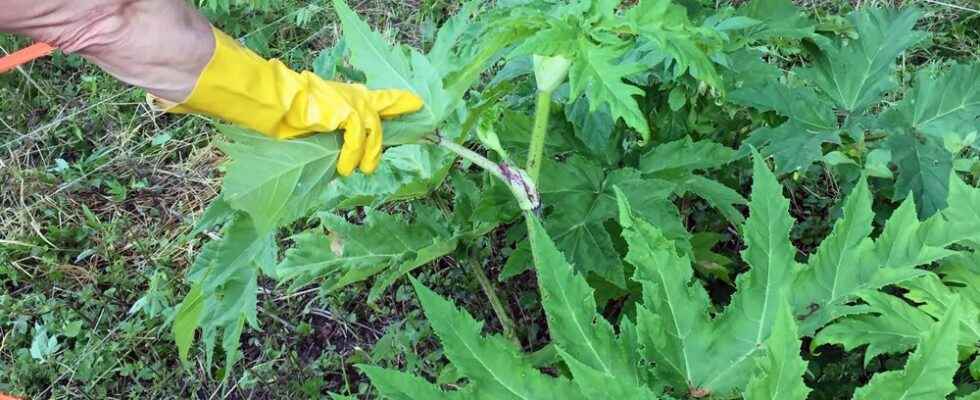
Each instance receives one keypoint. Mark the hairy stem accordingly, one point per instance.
(539, 134)
(506, 322)
(521, 186)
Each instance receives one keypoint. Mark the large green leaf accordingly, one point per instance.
(855, 73)
(944, 105)
(903, 243)
(895, 330)
(398, 385)
(844, 263)
(792, 146)
(924, 168)
(277, 181)
(384, 245)
(598, 72)
(406, 172)
(962, 273)
(780, 373)
(717, 194)
(673, 325)
(187, 320)
(797, 143)
(800, 104)
(938, 115)
(677, 161)
(596, 129)
(960, 222)
(686, 155)
(747, 322)
(666, 25)
(778, 18)
(935, 298)
(225, 286)
(582, 334)
(456, 29)
(493, 365)
(580, 193)
(393, 67)
(928, 375)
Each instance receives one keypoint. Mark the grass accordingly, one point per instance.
(100, 194)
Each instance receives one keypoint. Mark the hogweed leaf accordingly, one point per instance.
(225, 288)
(494, 365)
(576, 327)
(686, 155)
(895, 330)
(924, 168)
(581, 193)
(843, 265)
(778, 18)
(748, 320)
(928, 374)
(667, 26)
(801, 104)
(717, 194)
(187, 320)
(277, 181)
(855, 73)
(935, 299)
(941, 105)
(960, 221)
(452, 32)
(597, 72)
(792, 146)
(397, 385)
(673, 325)
(678, 160)
(384, 245)
(780, 373)
(962, 273)
(391, 67)
(902, 243)
(598, 385)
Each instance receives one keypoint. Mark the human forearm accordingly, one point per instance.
(159, 45)
(168, 48)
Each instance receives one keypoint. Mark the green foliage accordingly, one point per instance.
(678, 343)
(276, 182)
(930, 367)
(631, 214)
(645, 273)
(590, 35)
(924, 131)
(781, 371)
(854, 74)
(381, 244)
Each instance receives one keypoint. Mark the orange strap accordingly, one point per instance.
(22, 57)
(5, 397)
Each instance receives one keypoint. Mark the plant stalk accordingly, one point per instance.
(506, 322)
(539, 133)
(520, 184)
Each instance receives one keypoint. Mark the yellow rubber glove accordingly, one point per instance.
(240, 87)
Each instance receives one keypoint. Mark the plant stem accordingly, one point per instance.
(506, 322)
(538, 135)
(521, 186)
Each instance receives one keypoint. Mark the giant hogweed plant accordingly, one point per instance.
(680, 344)
(592, 179)
(258, 198)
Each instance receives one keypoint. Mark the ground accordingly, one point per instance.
(99, 195)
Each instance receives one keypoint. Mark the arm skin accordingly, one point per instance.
(159, 45)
